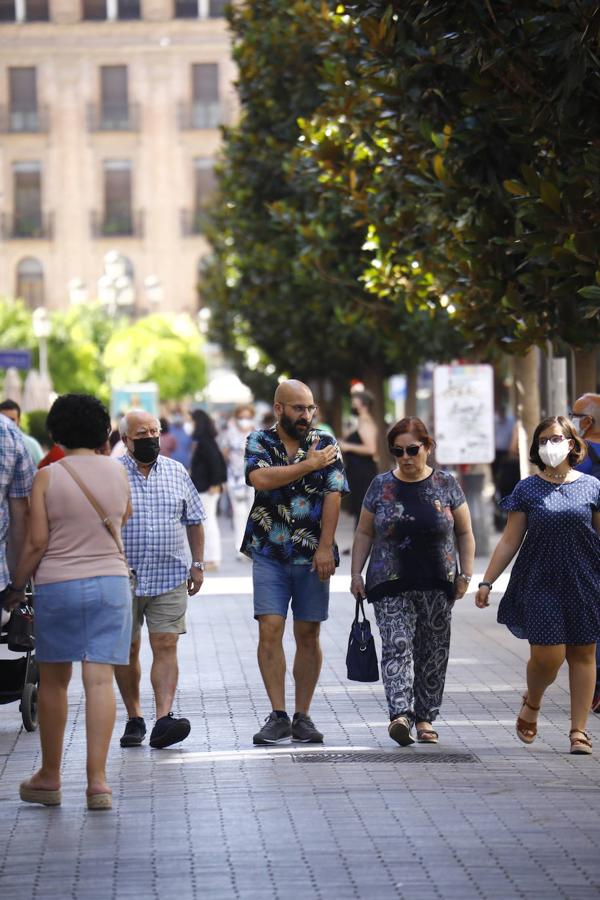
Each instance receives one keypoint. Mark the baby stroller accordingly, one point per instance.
(19, 678)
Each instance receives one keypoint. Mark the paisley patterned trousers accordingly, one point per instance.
(415, 637)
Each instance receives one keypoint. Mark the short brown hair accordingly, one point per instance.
(410, 425)
(243, 407)
(576, 455)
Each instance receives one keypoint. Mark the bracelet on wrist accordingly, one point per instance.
(356, 575)
(464, 577)
(487, 584)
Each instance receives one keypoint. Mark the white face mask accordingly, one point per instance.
(553, 454)
(244, 423)
(577, 423)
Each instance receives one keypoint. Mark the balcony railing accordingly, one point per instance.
(208, 114)
(24, 121)
(117, 224)
(113, 118)
(18, 226)
(193, 221)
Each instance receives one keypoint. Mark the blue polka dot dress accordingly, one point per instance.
(553, 595)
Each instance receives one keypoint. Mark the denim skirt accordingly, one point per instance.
(85, 619)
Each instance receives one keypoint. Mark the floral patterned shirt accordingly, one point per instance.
(285, 523)
(413, 548)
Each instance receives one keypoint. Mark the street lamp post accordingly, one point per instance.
(115, 288)
(42, 328)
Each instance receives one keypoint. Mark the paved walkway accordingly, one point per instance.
(479, 816)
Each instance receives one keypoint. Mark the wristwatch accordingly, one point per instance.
(464, 577)
(487, 584)
(198, 565)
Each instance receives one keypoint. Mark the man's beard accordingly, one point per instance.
(291, 428)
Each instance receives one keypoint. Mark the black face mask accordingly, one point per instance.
(146, 449)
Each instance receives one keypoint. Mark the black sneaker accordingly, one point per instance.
(274, 730)
(169, 730)
(135, 732)
(303, 730)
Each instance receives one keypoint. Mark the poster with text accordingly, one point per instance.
(463, 405)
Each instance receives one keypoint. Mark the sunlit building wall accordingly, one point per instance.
(109, 128)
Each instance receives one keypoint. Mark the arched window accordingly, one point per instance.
(30, 282)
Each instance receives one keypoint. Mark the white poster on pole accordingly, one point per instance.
(463, 404)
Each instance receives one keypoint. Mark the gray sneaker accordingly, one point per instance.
(274, 730)
(303, 730)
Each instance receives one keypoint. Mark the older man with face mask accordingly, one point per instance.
(165, 506)
(585, 415)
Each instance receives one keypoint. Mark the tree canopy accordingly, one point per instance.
(409, 179)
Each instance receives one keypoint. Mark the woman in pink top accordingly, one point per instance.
(82, 594)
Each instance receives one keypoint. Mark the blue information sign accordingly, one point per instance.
(16, 359)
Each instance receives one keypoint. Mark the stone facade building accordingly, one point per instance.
(109, 127)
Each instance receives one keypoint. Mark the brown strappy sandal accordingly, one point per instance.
(581, 746)
(527, 731)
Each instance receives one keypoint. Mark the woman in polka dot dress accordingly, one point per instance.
(552, 598)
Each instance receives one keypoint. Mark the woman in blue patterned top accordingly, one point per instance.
(552, 596)
(410, 519)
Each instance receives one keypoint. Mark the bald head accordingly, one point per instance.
(293, 391)
(138, 423)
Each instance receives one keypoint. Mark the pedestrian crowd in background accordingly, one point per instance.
(114, 543)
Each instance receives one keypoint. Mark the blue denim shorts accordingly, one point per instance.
(85, 619)
(276, 583)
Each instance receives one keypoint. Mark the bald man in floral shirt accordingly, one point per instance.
(299, 479)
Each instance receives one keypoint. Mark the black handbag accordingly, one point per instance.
(361, 658)
(19, 633)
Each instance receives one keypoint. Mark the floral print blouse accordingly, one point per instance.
(413, 547)
(285, 523)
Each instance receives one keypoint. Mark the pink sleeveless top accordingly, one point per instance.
(79, 545)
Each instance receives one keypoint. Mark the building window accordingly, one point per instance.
(128, 9)
(8, 12)
(96, 10)
(206, 111)
(200, 9)
(22, 90)
(36, 10)
(216, 8)
(30, 282)
(27, 193)
(118, 216)
(114, 98)
(204, 189)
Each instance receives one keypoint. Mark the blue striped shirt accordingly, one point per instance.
(154, 537)
(16, 477)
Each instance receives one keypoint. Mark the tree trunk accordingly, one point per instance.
(373, 381)
(586, 372)
(410, 408)
(328, 396)
(527, 394)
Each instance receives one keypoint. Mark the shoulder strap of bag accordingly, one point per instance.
(103, 517)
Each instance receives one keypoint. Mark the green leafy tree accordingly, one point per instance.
(159, 348)
(287, 271)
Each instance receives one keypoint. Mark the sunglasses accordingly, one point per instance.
(411, 450)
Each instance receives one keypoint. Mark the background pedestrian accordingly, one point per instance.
(209, 473)
(241, 494)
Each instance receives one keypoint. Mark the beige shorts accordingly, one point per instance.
(164, 613)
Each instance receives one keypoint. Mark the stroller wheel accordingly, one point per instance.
(29, 707)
